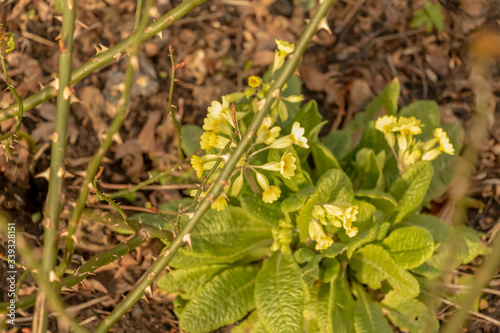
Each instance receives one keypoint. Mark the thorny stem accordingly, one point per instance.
(58, 152)
(120, 211)
(163, 260)
(19, 105)
(170, 108)
(138, 10)
(105, 57)
(116, 124)
(143, 235)
(46, 288)
(146, 182)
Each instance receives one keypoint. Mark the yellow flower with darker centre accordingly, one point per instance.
(287, 165)
(297, 135)
(197, 165)
(254, 81)
(385, 125)
(220, 204)
(271, 194)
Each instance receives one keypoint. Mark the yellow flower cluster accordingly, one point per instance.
(222, 124)
(282, 235)
(410, 150)
(339, 215)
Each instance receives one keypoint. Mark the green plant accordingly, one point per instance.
(430, 16)
(305, 224)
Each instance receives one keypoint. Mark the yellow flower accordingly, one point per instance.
(284, 47)
(266, 135)
(385, 125)
(339, 215)
(201, 164)
(297, 135)
(220, 204)
(216, 110)
(316, 232)
(410, 126)
(217, 125)
(444, 142)
(208, 141)
(197, 165)
(411, 158)
(271, 194)
(222, 142)
(254, 81)
(287, 165)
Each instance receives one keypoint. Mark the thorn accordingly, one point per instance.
(117, 56)
(160, 34)
(323, 24)
(187, 239)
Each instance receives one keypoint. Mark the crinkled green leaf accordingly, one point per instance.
(409, 247)
(188, 281)
(297, 200)
(223, 237)
(381, 200)
(339, 143)
(368, 315)
(225, 299)
(251, 324)
(409, 314)
(334, 250)
(364, 237)
(439, 229)
(323, 159)
(334, 309)
(268, 213)
(279, 296)
(373, 264)
(410, 188)
(310, 272)
(191, 139)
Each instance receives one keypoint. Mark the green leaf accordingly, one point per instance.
(410, 247)
(334, 307)
(223, 237)
(279, 296)
(381, 200)
(410, 189)
(364, 237)
(339, 143)
(409, 314)
(250, 325)
(225, 299)
(369, 171)
(267, 213)
(297, 200)
(335, 250)
(373, 265)
(191, 139)
(441, 231)
(323, 159)
(368, 315)
(333, 186)
(188, 281)
(310, 272)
